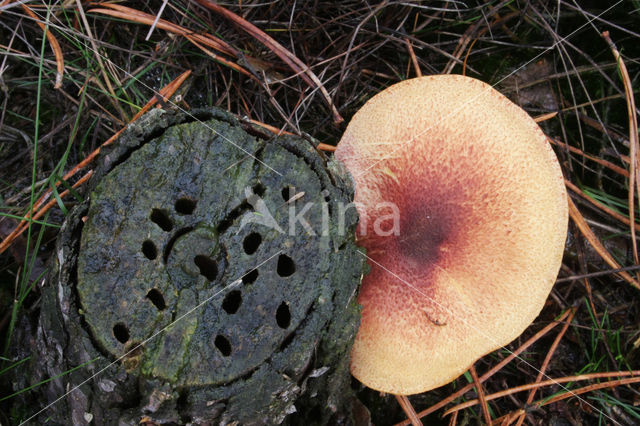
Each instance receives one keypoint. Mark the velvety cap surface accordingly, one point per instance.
(481, 230)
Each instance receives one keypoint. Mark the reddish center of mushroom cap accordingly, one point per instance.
(427, 228)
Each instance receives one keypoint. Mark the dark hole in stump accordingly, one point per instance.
(232, 301)
(207, 266)
(283, 316)
(185, 206)
(121, 332)
(156, 297)
(250, 277)
(223, 345)
(286, 267)
(149, 250)
(287, 193)
(258, 189)
(251, 242)
(161, 218)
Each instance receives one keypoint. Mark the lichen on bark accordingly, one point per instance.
(184, 301)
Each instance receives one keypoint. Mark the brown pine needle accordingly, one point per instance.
(620, 170)
(545, 117)
(55, 46)
(326, 147)
(634, 167)
(466, 57)
(581, 223)
(614, 214)
(454, 419)
(289, 58)
(414, 59)
(321, 146)
(480, 392)
(38, 208)
(560, 380)
(513, 355)
(408, 410)
(134, 15)
(201, 41)
(545, 363)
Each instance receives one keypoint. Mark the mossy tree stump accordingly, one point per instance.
(184, 301)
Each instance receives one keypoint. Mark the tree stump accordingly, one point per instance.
(183, 301)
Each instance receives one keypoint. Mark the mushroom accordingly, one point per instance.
(464, 217)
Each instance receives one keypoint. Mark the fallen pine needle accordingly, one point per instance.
(582, 224)
(560, 380)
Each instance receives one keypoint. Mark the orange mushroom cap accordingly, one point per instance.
(482, 225)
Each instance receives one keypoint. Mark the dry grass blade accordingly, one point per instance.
(289, 58)
(513, 355)
(38, 208)
(408, 409)
(581, 223)
(560, 380)
(633, 142)
(55, 46)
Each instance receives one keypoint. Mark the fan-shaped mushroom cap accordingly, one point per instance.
(482, 225)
